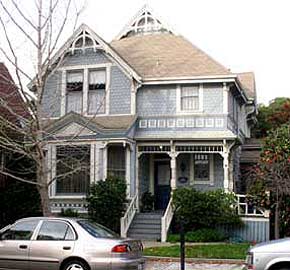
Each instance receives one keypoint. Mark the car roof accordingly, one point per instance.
(51, 218)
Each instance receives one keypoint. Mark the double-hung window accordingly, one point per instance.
(190, 98)
(97, 91)
(201, 168)
(74, 91)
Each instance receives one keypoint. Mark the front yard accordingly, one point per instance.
(212, 251)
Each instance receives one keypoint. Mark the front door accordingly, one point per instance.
(162, 184)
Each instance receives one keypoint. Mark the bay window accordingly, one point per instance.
(72, 169)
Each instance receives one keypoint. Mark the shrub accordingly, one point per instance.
(69, 213)
(209, 209)
(201, 235)
(107, 202)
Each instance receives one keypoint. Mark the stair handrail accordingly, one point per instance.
(166, 220)
(129, 216)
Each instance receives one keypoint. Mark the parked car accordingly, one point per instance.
(66, 244)
(272, 255)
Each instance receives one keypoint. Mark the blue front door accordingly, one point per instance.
(162, 184)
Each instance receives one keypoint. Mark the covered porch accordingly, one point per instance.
(163, 167)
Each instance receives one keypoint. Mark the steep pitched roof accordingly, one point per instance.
(247, 80)
(12, 105)
(164, 55)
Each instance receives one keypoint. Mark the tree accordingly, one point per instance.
(39, 32)
(272, 116)
(273, 172)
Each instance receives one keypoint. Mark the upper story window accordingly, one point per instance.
(97, 91)
(190, 98)
(74, 91)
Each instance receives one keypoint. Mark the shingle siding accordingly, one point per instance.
(156, 100)
(120, 92)
(213, 99)
(51, 101)
(90, 57)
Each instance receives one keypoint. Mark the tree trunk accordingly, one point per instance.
(277, 221)
(45, 205)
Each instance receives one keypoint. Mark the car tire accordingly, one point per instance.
(75, 265)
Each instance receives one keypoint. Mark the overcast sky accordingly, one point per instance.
(243, 35)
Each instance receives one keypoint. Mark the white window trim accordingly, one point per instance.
(179, 111)
(52, 164)
(211, 172)
(85, 69)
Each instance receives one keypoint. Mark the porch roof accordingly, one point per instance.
(187, 135)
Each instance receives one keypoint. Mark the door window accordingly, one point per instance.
(22, 230)
(55, 231)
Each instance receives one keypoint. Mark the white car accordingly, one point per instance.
(272, 255)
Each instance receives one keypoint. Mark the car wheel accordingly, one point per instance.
(75, 265)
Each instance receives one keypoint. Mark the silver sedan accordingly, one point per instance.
(66, 244)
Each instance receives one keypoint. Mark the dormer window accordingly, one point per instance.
(97, 91)
(74, 91)
(84, 41)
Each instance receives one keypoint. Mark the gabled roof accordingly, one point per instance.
(12, 105)
(84, 32)
(165, 55)
(247, 80)
(145, 21)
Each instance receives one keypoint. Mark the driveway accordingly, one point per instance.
(157, 265)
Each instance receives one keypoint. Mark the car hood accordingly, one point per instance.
(281, 245)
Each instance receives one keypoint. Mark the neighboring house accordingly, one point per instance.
(12, 109)
(149, 107)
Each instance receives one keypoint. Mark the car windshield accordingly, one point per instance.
(97, 230)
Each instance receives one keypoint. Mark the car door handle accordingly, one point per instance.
(23, 247)
(66, 248)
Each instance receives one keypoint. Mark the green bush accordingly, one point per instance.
(107, 202)
(198, 210)
(201, 235)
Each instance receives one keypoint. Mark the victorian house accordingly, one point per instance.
(150, 107)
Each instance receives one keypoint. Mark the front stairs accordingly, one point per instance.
(146, 226)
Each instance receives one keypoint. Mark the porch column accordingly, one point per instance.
(105, 161)
(128, 171)
(137, 183)
(173, 156)
(226, 170)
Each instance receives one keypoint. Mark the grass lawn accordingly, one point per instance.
(218, 251)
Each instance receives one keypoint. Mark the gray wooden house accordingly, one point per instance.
(150, 107)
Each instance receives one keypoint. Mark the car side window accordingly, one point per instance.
(55, 231)
(22, 230)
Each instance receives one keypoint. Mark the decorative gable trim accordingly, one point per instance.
(97, 42)
(145, 21)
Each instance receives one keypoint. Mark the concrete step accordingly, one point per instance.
(146, 226)
(145, 231)
(146, 221)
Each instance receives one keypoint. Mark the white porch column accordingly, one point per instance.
(226, 171)
(128, 171)
(173, 156)
(105, 161)
(92, 164)
(137, 183)
(53, 169)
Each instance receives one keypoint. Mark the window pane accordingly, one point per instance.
(53, 230)
(97, 79)
(116, 161)
(74, 81)
(74, 101)
(96, 101)
(73, 169)
(189, 98)
(21, 231)
(201, 167)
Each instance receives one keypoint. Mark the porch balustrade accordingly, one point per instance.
(166, 221)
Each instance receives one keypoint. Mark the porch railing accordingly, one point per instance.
(244, 209)
(166, 220)
(128, 216)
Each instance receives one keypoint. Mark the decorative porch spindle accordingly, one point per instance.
(173, 170)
